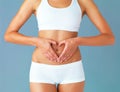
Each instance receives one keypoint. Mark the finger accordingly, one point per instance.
(62, 42)
(70, 54)
(53, 42)
(47, 55)
(52, 51)
(63, 53)
(67, 55)
(51, 57)
(53, 54)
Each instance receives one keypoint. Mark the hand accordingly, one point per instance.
(69, 49)
(46, 49)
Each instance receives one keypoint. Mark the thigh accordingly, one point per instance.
(42, 87)
(71, 87)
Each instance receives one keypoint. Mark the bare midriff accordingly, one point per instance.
(56, 35)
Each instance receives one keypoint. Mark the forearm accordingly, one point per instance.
(17, 38)
(99, 40)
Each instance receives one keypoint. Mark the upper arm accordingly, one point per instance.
(25, 11)
(92, 11)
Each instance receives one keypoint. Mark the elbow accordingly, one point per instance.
(10, 33)
(111, 39)
(7, 37)
(108, 39)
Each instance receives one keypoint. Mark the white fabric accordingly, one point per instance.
(51, 18)
(57, 74)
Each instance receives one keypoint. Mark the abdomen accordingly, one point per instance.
(57, 36)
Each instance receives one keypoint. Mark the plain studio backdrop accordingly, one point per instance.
(101, 64)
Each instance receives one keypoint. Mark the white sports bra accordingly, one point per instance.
(51, 18)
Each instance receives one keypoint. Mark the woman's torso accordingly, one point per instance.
(57, 35)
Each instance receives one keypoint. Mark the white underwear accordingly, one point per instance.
(57, 74)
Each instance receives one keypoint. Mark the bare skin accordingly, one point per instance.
(58, 46)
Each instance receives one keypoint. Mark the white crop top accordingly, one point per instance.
(51, 18)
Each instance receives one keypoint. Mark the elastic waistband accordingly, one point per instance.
(50, 65)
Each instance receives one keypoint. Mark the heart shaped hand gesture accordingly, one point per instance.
(70, 46)
(69, 49)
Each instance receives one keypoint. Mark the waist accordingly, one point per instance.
(57, 35)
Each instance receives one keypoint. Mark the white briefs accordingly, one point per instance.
(57, 74)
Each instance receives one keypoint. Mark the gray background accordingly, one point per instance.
(101, 64)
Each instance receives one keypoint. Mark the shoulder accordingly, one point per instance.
(87, 5)
(31, 3)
